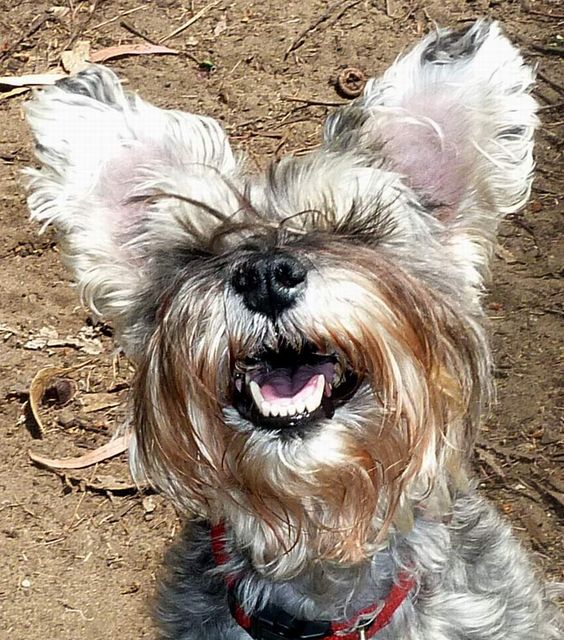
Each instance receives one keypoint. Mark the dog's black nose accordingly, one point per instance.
(269, 283)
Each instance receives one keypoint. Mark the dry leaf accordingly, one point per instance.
(76, 59)
(149, 504)
(110, 483)
(13, 92)
(129, 50)
(39, 385)
(220, 27)
(59, 11)
(86, 341)
(31, 80)
(109, 450)
(505, 255)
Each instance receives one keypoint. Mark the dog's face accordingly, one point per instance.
(311, 365)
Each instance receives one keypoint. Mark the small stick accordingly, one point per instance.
(298, 42)
(556, 51)
(190, 22)
(552, 83)
(35, 25)
(317, 103)
(76, 32)
(549, 107)
(137, 33)
(556, 16)
(116, 18)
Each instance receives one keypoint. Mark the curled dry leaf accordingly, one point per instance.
(42, 380)
(129, 50)
(109, 450)
(39, 385)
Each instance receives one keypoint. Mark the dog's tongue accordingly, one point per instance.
(282, 384)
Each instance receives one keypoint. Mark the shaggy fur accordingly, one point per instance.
(311, 360)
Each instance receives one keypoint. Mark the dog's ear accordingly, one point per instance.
(115, 174)
(455, 118)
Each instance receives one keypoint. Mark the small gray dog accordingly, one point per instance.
(311, 360)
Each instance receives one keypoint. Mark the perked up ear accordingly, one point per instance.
(455, 118)
(104, 154)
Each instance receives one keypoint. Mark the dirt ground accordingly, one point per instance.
(80, 551)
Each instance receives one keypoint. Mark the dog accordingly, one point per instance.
(311, 359)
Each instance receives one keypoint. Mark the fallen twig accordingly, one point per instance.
(314, 102)
(128, 27)
(488, 459)
(116, 18)
(82, 27)
(506, 452)
(555, 50)
(299, 41)
(550, 107)
(35, 25)
(555, 496)
(555, 85)
(191, 21)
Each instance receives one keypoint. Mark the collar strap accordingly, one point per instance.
(273, 623)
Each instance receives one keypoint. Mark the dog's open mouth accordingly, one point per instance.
(289, 388)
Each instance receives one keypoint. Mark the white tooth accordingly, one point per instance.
(311, 404)
(291, 410)
(274, 410)
(283, 411)
(300, 406)
(314, 399)
(256, 393)
(265, 408)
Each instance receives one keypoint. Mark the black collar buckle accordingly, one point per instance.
(273, 623)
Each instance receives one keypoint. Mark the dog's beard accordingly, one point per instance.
(402, 378)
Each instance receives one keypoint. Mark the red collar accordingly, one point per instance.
(273, 622)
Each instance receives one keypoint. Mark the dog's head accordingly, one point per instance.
(311, 365)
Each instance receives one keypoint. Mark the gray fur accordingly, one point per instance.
(473, 583)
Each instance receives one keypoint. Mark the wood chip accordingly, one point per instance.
(77, 58)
